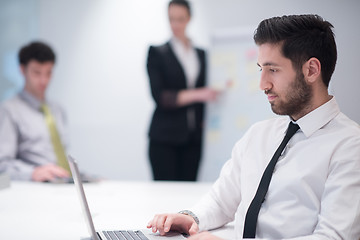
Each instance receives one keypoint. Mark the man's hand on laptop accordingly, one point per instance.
(173, 222)
(48, 172)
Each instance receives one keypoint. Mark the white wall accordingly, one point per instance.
(101, 80)
(18, 24)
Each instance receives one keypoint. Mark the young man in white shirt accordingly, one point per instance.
(314, 190)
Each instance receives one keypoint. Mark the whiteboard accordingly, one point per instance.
(233, 70)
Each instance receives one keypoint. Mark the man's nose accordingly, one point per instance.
(265, 82)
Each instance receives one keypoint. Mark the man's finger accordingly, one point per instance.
(193, 229)
(160, 224)
(168, 223)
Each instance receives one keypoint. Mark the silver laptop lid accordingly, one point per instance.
(80, 189)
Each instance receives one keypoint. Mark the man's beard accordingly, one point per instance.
(296, 100)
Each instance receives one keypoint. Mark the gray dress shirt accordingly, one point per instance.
(25, 141)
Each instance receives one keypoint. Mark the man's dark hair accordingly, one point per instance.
(302, 37)
(38, 51)
(182, 3)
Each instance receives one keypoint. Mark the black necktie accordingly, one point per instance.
(254, 208)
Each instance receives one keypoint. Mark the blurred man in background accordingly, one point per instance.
(32, 128)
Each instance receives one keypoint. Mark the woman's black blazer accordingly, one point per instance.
(169, 123)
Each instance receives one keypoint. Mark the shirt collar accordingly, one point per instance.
(30, 99)
(319, 117)
(175, 42)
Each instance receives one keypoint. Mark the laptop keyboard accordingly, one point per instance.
(125, 235)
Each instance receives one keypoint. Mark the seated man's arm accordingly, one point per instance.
(339, 217)
(9, 163)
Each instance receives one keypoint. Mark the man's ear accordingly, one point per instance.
(312, 70)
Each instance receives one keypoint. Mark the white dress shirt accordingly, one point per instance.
(188, 59)
(25, 141)
(315, 189)
(190, 63)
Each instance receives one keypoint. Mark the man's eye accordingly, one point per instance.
(272, 70)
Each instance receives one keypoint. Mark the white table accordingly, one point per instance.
(45, 211)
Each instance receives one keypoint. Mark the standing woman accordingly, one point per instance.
(177, 78)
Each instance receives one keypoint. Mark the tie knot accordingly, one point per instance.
(292, 129)
(44, 108)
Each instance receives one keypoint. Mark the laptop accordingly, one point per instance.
(112, 235)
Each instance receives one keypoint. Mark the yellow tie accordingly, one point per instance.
(55, 139)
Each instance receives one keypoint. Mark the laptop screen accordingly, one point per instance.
(80, 189)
